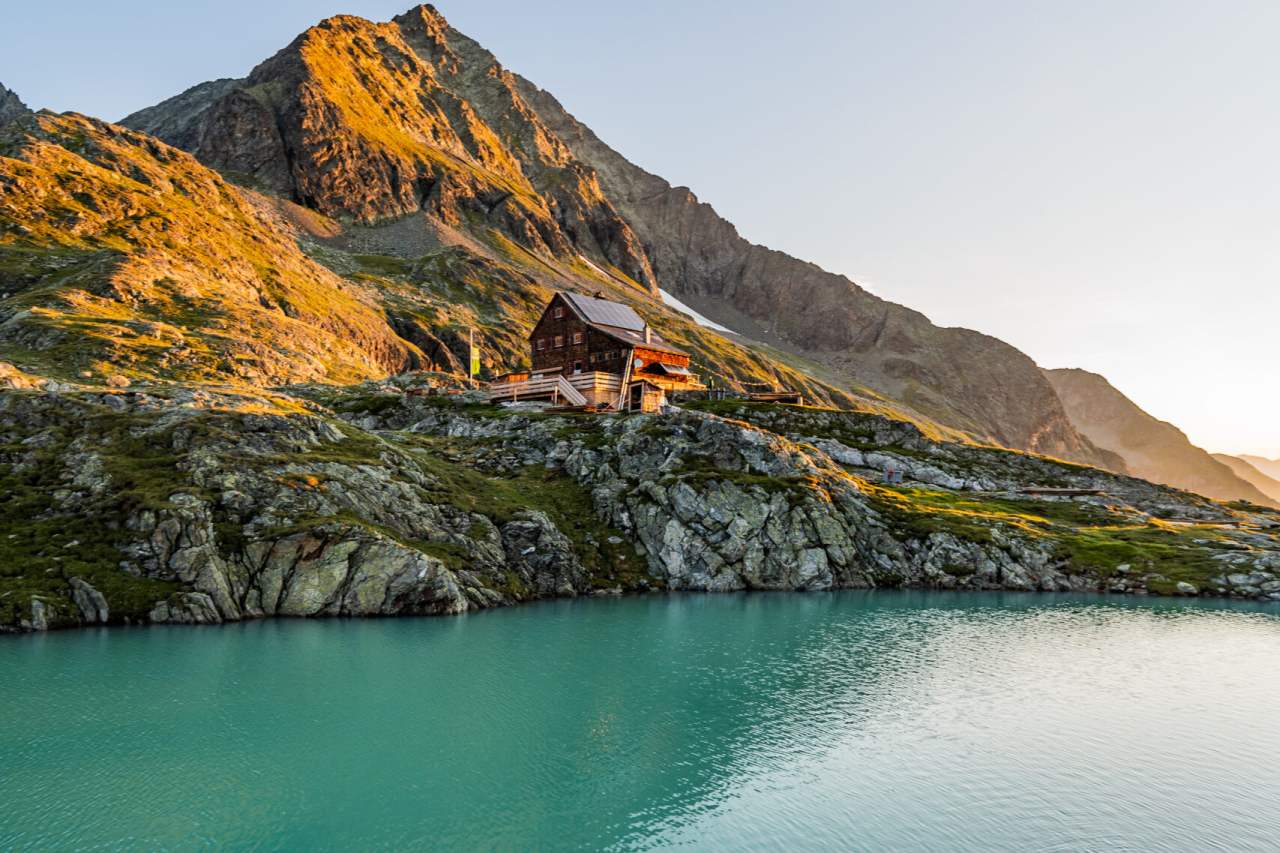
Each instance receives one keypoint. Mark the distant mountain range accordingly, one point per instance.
(1250, 469)
(1152, 449)
(374, 190)
(1269, 467)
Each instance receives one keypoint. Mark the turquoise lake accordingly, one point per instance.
(845, 721)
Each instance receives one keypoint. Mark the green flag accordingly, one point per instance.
(475, 356)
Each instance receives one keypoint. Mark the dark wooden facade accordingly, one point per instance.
(562, 340)
(595, 343)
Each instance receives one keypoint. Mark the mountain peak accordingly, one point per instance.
(11, 106)
(412, 125)
(424, 12)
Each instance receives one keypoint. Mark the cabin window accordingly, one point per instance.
(577, 337)
(559, 341)
(558, 313)
(591, 359)
(542, 343)
(577, 367)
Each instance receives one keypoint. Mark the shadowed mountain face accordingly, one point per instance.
(968, 380)
(1154, 450)
(372, 123)
(1250, 473)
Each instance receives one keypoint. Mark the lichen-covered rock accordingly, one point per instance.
(39, 615)
(186, 608)
(541, 555)
(436, 507)
(93, 606)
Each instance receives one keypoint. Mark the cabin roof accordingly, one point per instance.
(616, 320)
(602, 312)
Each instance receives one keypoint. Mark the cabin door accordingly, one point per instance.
(637, 397)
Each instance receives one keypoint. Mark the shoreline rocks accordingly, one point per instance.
(418, 511)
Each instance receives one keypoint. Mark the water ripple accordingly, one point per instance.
(853, 721)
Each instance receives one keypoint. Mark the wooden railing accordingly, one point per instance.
(556, 388)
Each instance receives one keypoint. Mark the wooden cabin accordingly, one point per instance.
(605, 352)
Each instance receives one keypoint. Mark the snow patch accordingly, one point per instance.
(587, 261)
(697, 318)
(670, 300)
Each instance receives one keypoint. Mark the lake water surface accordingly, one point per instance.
(853, 721)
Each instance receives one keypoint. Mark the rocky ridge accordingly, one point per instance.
(958, 377)
(194, 506)
(11, 106)
(123, 259)
(120, 254)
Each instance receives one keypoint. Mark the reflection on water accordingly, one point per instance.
(906, 721)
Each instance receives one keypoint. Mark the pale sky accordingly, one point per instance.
(1097, 183)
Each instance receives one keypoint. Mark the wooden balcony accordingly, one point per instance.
(594, 388)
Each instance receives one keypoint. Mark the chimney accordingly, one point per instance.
(648, 334)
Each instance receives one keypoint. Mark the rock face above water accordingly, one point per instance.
(174, 507)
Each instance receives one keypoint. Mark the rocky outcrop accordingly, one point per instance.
(91, 603)
(186, 608)
(195, 507)
(719, 505)
(11, 107)
(542, 556)
(1152, 449)
(262, 515)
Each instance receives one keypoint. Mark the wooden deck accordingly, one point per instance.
(592, 388)
(553, 388)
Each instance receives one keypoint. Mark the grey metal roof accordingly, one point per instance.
(604, 312)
